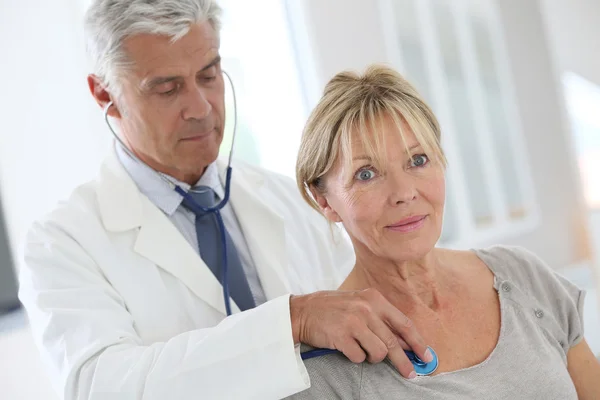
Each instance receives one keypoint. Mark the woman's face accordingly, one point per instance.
(397, 214)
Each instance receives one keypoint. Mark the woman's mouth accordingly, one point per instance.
(409, 224)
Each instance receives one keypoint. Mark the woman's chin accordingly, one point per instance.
(413, 250)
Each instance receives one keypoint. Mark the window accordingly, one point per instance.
(258, 54)
(453, 52)
(583, 103)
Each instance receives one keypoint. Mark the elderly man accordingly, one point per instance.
(122, 282)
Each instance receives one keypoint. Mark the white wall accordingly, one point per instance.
(544, 123)
(52, 137)
(344, 34)
(573, 27)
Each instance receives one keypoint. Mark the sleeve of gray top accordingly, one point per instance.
(562, 297)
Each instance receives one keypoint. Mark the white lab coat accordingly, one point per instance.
(122, 307)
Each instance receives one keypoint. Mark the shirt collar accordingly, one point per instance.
(150, 183)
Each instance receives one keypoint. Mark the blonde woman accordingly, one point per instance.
(503, 324)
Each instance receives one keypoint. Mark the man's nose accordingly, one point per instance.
(197, 105)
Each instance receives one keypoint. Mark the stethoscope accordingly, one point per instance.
(421, 368)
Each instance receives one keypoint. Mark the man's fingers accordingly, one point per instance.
(353, 351)
(362, 325)
(387, 337)
(372, 344)
(404, 328)
(398, 357)
(403, 344)
(394, 347)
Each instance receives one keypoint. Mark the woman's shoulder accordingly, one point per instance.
(522, 267)
(538, 282)
(514, 263)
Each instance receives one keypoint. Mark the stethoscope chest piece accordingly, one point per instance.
(422, 368)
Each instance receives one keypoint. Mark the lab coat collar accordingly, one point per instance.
(119, 199)
(123, 207)
(152, 183)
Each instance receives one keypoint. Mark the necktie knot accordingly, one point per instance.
(204, 196)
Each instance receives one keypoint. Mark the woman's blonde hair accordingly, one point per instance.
(352, 108)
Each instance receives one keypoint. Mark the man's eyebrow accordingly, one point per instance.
(211, 64)
(152, 83)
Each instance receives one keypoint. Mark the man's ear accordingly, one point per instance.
(101, 95)
(324, 205)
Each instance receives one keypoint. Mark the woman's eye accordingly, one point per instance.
(419, 160)
(365, 174)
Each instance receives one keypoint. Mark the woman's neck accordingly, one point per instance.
(406, 284)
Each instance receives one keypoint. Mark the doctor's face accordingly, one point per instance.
(392, 211)
(172, 110)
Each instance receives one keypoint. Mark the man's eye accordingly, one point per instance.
(169, 92)
(208, 75)
(365, 174)
(419, 160)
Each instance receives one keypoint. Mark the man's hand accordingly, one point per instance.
(362, 324)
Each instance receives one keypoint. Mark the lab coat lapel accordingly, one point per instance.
(262, 227)
(123, 208)
(161, 242)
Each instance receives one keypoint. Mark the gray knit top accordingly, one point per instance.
(541, 318)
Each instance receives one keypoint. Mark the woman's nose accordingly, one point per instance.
(403, 188)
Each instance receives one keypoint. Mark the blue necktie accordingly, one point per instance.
(210, 247)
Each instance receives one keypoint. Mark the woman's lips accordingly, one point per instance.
(408, 224)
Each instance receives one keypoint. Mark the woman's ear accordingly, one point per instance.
(324, 205)
(102, 96)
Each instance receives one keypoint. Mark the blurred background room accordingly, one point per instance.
(515, 84)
